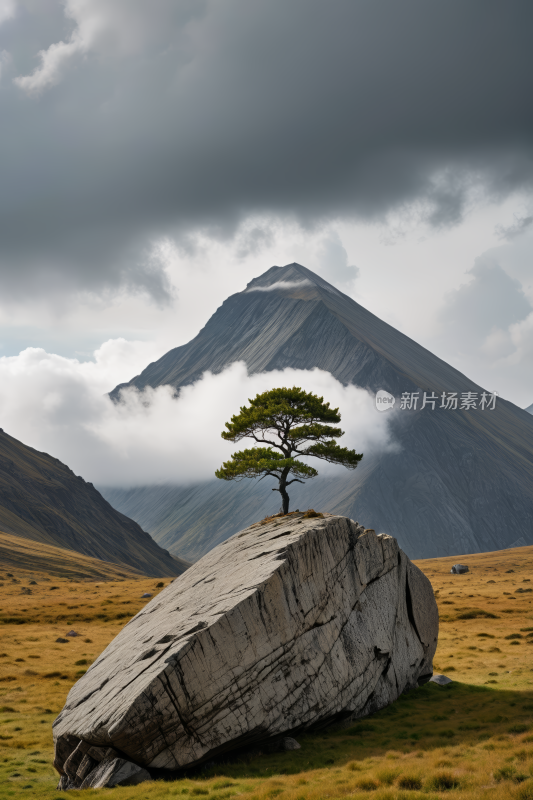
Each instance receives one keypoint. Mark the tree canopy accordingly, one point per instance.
(293, 422)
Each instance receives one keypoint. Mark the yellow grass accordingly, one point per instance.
(471, 740)
(28, 557)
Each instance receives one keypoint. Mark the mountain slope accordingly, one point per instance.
(462, 482)
(271, 327)
(41, 499)
(18, 553)
(530, 408)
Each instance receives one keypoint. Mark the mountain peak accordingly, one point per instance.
(292, 279)
(462, 479)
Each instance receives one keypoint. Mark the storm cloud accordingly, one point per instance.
(126, 121)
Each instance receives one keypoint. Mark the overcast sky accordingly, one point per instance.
(156, 156)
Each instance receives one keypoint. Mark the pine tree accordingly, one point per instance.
(294, 423)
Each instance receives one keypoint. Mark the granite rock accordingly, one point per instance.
(441, 680)
(290, 744)
(289, 625)
(115, 772)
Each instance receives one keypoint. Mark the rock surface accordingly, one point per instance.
(291, 744)
(442, 680)
(87, 767)
(459, 569)
(290, 624)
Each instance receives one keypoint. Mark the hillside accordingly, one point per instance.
(461, 482)
(41, 499)
(33, 559)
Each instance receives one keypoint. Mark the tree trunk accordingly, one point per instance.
(283, 492)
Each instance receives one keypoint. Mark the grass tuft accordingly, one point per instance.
(442, 782)
(412, 782)
(368, 784)
(525, 792)
(387, 776)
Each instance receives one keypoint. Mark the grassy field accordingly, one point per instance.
(472, 739)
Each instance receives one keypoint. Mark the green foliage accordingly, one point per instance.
(291, 421)
(262, 461)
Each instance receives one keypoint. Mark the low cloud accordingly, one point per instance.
(280, 285)
(59, 406)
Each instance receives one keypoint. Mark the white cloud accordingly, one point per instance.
(120, 28)
(90, 21)
(486, 327)
(7, 10)
(53, 64)
(59, 405)
(333, 260)
(521, 335)
(5, 57)
(280, 285)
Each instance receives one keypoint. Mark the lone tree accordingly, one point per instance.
(293, 422)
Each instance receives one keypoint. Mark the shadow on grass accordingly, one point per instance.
(427, 719)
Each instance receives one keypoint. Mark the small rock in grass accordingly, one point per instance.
(146, 594)
(73, 633)
(61, 640)
(277, 745)
(290, 744)
(442, 680)
(459, 569)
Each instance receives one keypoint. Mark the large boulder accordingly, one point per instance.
(291, 624)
